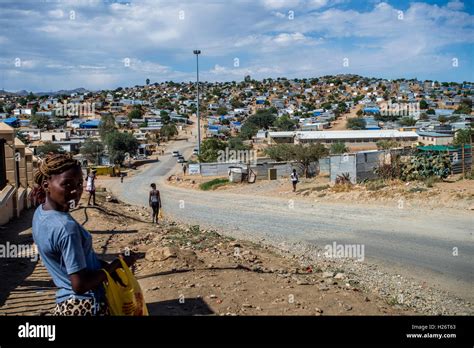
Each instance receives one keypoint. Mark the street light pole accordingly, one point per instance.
(197, 53)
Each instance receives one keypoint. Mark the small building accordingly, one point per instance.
(434, 138)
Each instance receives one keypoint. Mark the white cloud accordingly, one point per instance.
(261, 35)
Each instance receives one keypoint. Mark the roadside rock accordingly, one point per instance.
(161, 254)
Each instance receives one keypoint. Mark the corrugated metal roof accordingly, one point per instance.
(356, 134)
(434, 134)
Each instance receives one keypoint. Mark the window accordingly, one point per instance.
(3, 167)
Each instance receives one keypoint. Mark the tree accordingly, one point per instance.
(40, 121)
(169, 131)
(147, 82)
(92, 150)
(327, 106)
(210, 149)
(424, 116)
(119, 144)
(407, 121)
(106, 126)
(264, 118)
(236, 103)
(387, 144)
(431, 112)
(463, 137)
(356, 123)
(285, 123)
(222, 110)
(248, 130)
(49, 147)
(423, 105)
(442, 119)
(464, 108)
(359, 112)
(135, 113)
(165, 118)
(237, 144)
(303, 155)
(58, 122)
(338, 148)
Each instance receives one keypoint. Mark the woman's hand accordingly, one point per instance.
(129, 259)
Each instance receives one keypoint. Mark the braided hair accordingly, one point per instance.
(52, 164)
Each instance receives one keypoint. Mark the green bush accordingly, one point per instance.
(213, 184)
(425, 165)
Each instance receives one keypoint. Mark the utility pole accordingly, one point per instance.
(197, 53)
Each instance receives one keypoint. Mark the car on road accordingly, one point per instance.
(176, 153)
(181, 160)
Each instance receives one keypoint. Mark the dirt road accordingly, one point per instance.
(436, 247)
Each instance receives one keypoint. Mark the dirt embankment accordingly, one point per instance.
(453, 193)
(185, 270)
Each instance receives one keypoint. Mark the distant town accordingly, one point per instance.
(345, 113)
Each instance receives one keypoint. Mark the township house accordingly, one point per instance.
(16, 174)
(354, 138)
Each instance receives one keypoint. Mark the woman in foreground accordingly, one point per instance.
(64, 245)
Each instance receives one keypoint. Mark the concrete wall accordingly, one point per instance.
(7, 204)
(340, 164)
(261, 169)
(360, 166)
(325, 165)
(19, 175)
(366, 164)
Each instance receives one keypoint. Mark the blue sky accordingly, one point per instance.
(102, 44)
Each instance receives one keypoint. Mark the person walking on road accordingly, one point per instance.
(90, 187)
(294, 179)
(154, 200)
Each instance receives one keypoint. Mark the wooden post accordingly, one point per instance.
(462, 158)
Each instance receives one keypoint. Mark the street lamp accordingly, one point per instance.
(197, 53)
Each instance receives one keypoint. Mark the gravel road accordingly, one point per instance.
(413, 242)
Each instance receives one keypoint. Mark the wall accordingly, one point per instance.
(340, 164)
(360, 166)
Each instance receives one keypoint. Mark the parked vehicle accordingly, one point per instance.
(176, 153)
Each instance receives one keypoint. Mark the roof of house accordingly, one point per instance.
(90, 124)
(281, 134)
(434, 135)
(356, 134)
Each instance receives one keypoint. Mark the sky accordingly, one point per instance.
(48, 45)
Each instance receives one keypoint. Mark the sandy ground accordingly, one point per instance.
(453, 193)
(188, 271)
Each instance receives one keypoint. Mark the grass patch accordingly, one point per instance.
(213, 184)
(375, 185)
(321, 188)
(430, 181)
(346, 187)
